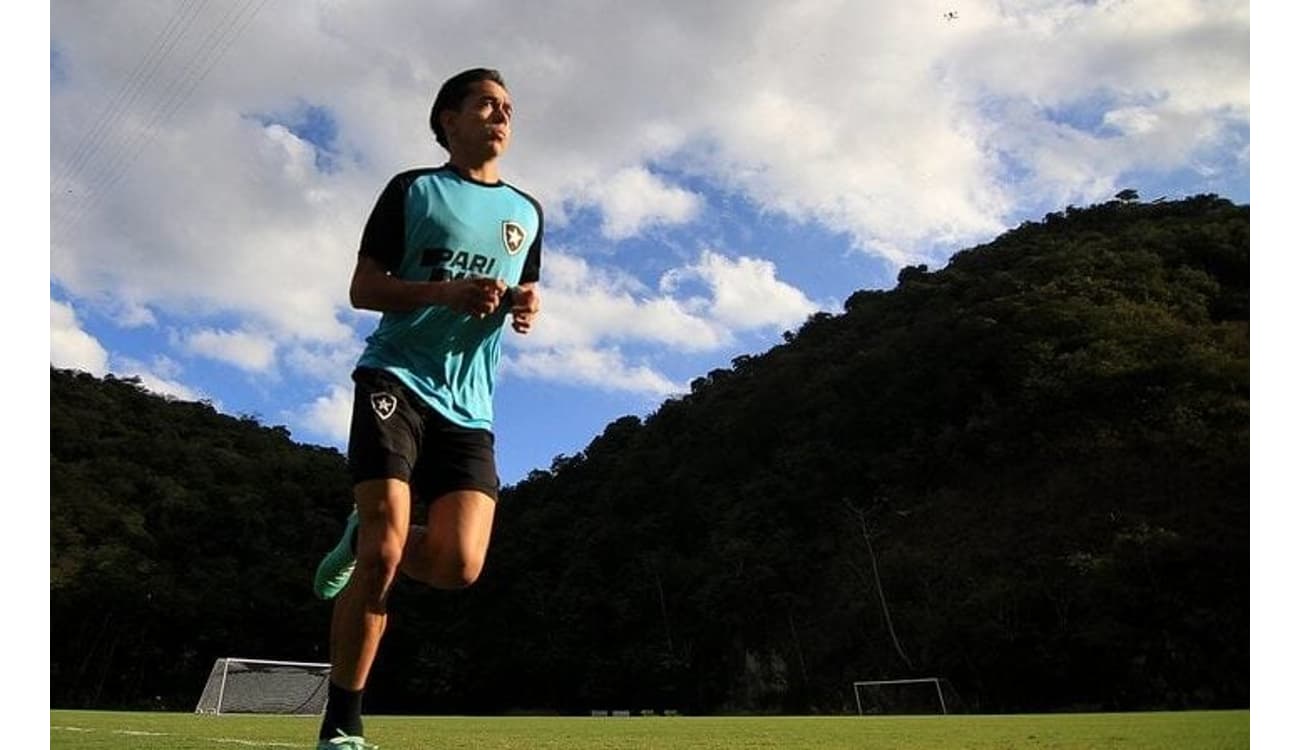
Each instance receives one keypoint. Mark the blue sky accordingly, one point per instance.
(211, 169)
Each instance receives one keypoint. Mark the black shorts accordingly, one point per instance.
(396, 435)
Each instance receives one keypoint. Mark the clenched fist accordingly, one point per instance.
(474, 296)
(525, 304)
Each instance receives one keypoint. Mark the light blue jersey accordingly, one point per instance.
(434, 224)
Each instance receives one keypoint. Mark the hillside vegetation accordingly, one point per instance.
(1026, 472)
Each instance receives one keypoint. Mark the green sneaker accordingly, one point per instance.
(336, 568)
(345, 742)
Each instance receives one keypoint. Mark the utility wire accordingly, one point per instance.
(139, 79)
(176, 93)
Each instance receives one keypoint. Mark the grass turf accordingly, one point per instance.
(1200, 730)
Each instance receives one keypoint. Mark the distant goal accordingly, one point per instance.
(922, 695)
(258, 686)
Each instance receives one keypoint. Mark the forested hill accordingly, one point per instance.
(1026, 473)
(178, 535)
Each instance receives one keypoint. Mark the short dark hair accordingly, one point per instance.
(453, 93)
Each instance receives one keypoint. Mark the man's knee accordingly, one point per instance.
(456, 570)
(376, 570)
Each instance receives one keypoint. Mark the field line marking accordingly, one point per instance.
(221, 740)
(251, 743)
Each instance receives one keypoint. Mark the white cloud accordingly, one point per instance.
(746, 293)
(130, 315)
(161, 365)
(322, 362)
(586, 306)
(633, 199)
(871, 118)
(589, 312)
(73, 348)
(1173, 77)
(911, 134)
(248, 351)
(246, 224)
(582, 305)
(330, 415)
(70, 346)
(605, 369)
(1133, 120)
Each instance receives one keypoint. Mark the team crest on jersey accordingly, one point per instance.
(513, 235)
(384, 404)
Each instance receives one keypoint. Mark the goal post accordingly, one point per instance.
(260, 686)
(912, 696)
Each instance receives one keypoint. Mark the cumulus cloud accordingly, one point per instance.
(71, 347)
(1171, 78)
(634, 198)
(745, 292)
(883, 132)
(130, 315)
(322, 362)
(247, 351)
(586, 305)
(330, 415)
(910, 134)
(605, 369)
(590, 312)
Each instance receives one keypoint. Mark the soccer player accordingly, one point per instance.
(446, 255)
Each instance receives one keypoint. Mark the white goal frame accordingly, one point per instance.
(943, 705)
(221, 670)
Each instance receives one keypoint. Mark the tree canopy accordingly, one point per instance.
(1025, 472)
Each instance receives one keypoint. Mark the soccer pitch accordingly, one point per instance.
(1201, 730)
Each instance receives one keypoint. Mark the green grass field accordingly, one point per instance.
(1217, 730)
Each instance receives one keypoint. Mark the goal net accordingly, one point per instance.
(923, 695)
(256, 686)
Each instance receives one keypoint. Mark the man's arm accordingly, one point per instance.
(373, 288)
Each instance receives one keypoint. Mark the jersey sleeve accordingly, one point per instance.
(384, 237)
(533, 262)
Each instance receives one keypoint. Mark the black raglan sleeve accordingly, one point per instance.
(533, 263)
(384, 237)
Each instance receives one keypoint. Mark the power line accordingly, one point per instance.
(140, 78)
(214, 46)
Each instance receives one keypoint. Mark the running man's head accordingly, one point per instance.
(471, 114)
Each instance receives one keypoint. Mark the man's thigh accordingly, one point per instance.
(460, 523)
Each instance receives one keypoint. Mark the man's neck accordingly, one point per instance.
(479, 171)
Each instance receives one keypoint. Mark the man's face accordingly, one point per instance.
(482, 124)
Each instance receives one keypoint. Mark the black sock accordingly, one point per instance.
(342, 711)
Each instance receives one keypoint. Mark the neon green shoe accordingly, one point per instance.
(335, 569)
(345, 742)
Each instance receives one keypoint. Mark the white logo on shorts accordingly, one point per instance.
(384, 404)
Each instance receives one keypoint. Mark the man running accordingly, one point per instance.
(446, 255)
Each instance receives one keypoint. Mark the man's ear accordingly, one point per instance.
(444, 117)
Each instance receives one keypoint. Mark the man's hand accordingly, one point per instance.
(527, 303)
(473, 296)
